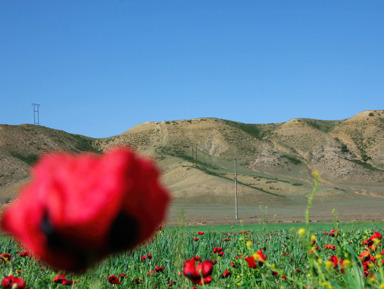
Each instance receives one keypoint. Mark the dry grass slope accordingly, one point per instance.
(274, 161)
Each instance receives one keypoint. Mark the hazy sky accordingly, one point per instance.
(98, 68)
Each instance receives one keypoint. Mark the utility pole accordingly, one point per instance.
(235, 177)
(36, 118)
(194, 155)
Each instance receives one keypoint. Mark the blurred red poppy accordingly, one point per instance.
(337, 262)
(137, 281)
(24, 254)
(159, 268)
(217, 250)
(122, 275)
(77, 209)
(205, 281)
(59, 279)
(226, 274)
(13, 282)
(4, 258)
(67, 282)
(330, 247)
(113, 279)
(257, 260)
(198, 273)
(234, 265)
(334, 233)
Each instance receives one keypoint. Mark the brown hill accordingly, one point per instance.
(20, 147)
(274, 161)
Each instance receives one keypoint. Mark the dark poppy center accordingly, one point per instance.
(123, 233)
(122, 236)
(56, 242)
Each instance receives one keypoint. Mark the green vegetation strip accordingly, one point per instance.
(289, 251)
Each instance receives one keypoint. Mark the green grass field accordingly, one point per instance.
(285, 249)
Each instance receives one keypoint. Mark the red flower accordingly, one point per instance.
(159, 269)
(370, 242)
(334, 233)
(330, 247)
(257, 260)
(4, 257)
(234, 265)
(365, 256)
(122, 275)
(195, 239)
(206, 280)
(196, 273)
(59, 279)
(377, 235)
(226, 274)
(200, 233)
(113, 279)
(149, 256)
(337, 263)
(13, 282)
(334, 260)
(67, 282)
(137, 281)
(77, 209)
(24, 254)
(217, 249)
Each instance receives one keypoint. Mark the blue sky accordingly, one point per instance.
(98, 68)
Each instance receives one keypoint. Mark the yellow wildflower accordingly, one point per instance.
(346, 263)
(329, 264)
(301, 232)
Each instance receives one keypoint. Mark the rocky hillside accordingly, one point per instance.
(274, 161)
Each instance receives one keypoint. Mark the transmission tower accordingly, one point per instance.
(36, 117)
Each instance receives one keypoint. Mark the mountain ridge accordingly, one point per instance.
(275, 161)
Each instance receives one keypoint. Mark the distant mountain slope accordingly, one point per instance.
(274, 161)
(20, 147)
